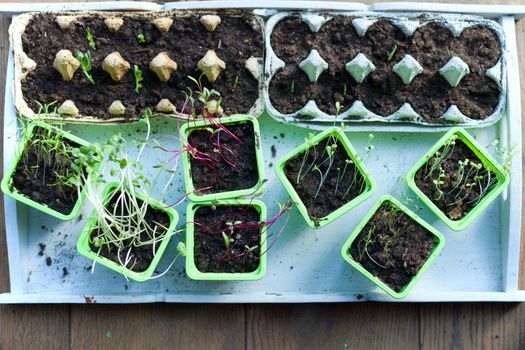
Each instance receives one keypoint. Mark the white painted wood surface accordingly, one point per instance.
(479, 264)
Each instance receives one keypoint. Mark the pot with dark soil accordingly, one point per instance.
(392, 247)
(457, 179)
(49, 170)
(226, 240)
(325, 177)
(222, 158)
(128, 232)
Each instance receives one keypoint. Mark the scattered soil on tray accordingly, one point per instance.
(211, 254)
(36, 181)
(455, 196)
(343, 181)
(142, 256)
(382, 91)
(392, 246)
(42, 247)
(232, 161)
(235, 40)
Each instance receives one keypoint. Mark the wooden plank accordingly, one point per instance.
(157, 326)
(333, 326)
(25, 327)
(4, 47)
(472, 326)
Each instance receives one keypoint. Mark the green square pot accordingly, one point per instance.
(85, 250)
(7, 181)
(191, 269)
(439, 239)
(502, 179)
(370, 184)
(203, 197)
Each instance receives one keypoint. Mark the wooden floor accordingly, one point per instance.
(300, 326)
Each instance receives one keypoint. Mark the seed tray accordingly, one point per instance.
(304, 265)
(407, 23)
(24, 65)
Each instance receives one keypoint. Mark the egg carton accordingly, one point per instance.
(24, 65)
(311, 115)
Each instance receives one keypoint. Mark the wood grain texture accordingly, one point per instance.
(333, 326)
(472, 326)
(24, 327)
(157, 326)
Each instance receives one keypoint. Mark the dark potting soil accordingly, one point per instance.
(233, 164)
(235, 40)
(392, 246)
(456, 199)
(39, 183)
(382, 91)
(142, 256)
(343, 183)
(211, 254)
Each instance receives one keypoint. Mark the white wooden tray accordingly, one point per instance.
(478, 264)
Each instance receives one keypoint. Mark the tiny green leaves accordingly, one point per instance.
(85, 64)
(391, 53)
(90, 38)
(138, 78)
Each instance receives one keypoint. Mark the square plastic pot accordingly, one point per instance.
(187, 128)
(368, 191)
(191, 269)
(7, 181)
(438, 237)
(85, 250)
(502, 179)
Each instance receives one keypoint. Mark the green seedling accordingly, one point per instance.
(391, 53)
(138, 78)
(85, 64)
(90, 38)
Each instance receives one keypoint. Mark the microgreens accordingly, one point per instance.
(391, 53)
(90, 38)
(68, 163)
(138, 78)
(231, 231)
(388, 219)
(121, 225)
(85, 64)
(235, 82)
(462, 185)
(141, 38)
(292, 87)
(45, 108)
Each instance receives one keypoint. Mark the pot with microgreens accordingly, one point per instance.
(457, 179)
(325, 176)
(50, 168)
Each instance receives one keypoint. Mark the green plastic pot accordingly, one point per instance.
(502, 179)
(7, 181)
(439, 239)
(187, 128)
(191, 269)
(85, 250)
(370, 184)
